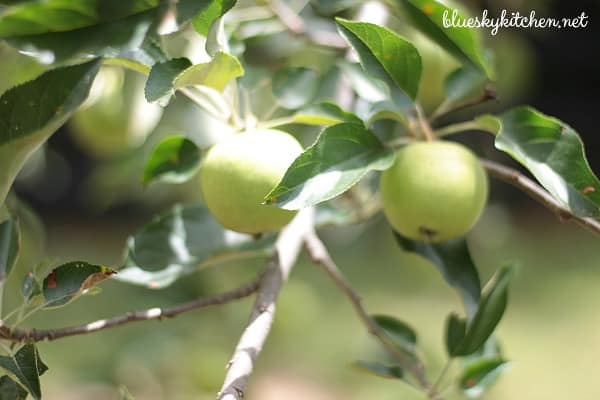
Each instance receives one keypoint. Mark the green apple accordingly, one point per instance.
(434, 192)
(240, 171)
(116, 116)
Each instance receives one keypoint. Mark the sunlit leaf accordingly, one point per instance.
(454, 262)
(56, 30)
(174, 160)
(208, 12)
(32, 112)
(464, 43)
(66, 282)
(553, 152)
(183, 241)
(384, 54)
(324, 114)
(340, 157)
(159, 86)
(27, 367)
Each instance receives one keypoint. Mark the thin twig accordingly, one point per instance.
(535, 191)
(320, 256)
(287, 249)
(424, 124)
(37, 335)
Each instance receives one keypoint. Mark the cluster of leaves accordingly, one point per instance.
(78, 39)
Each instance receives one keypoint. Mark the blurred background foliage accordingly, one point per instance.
(82, 196)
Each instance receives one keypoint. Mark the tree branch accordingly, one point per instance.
(535, 191)
(320, 256)
(287, 249)
(37, 335)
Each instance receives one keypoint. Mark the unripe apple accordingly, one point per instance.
(434, 192)
(239, 172)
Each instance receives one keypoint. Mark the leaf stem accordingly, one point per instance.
(433, 392)
(456, 128)
(424, 124)
(276, 122)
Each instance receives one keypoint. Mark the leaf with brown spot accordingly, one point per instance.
(70, 280)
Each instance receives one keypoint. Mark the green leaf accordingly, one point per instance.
(464, 85)
(403, 336)
(455, 333)
(491, 308)
(462, 43)
(553, 152)
(165, 77)
(57, 30)
(159, 86)
(181, 242)
(11, 390)
(209, 12)
(27, 367)
(384, 54)
(454, 262)
(32, 112)
(324, 114)
(479, 375)
(68, 281)
(215, 74)
(380, 370)
(31, 287)
(340, 157)
(293, 87)
(174, 160)
(10, 246)
(387, 110)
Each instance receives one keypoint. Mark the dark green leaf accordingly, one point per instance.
(463, 43)
(403, 336)
(159, 86)
(464, 85)
(10, 246)
(27, 367)
(553, 152)
(30, 113)
(455, 333)
(175, 160)
(66, 282)
(490, 311)
(384, 54)
(340, 157)
(479, 375)
(181, 242)
(380, 370)
(11, 390)
(324, 114)
(454, 262)
(208, 12)
(56, 30)
(294, 87)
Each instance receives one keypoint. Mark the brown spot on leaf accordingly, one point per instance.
(428, 8)
(588, 189)
(470, 383)
(96, 278)
(153, 285)
(51, 282)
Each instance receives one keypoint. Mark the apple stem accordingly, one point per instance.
(424, 124)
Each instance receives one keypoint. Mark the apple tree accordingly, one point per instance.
(265, 73)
